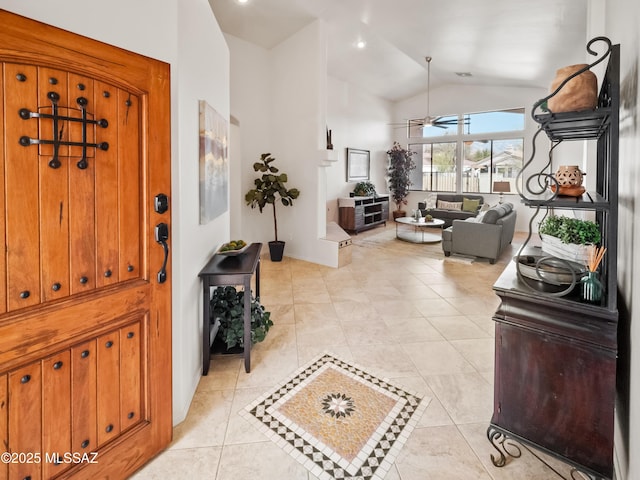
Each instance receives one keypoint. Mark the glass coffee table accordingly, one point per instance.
(418, 233)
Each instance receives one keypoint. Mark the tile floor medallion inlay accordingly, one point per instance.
(338, 420)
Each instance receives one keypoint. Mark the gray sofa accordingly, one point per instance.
(450, 215)
(484, 236)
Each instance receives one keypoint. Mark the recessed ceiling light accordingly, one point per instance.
(464, 74)
(361, 44)
(242, 1)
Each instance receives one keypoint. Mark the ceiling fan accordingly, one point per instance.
(428, 120)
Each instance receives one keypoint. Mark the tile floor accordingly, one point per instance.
(401, 310)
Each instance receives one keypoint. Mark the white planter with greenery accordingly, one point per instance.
(567, 251)
(569, 238)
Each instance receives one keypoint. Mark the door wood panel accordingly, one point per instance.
(85, 147)
(52, 82)
(3, 245)
(25, 425)
(56, 410)
(130, 375)
(108, 387)
(21, 197)
(54, 187)
(106, 164)
(4, 428)
(129, 201)
(82, 228)
(84, 434)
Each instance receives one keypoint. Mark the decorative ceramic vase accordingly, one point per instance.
(591, 288)
(569, 175)
(579, 93)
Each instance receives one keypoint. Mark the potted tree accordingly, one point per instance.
(400, 166)
(568, 238)
(269, 188)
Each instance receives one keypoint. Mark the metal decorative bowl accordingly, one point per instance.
(550, 269)
(232, 253)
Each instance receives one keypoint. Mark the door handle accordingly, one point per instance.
(162, 235)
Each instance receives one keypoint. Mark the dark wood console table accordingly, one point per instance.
(555, 376)
(224, 270)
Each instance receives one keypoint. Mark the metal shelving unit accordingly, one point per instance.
(555, 356)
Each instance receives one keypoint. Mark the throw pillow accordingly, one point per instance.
(449, 205)
(491, 216)
(430, 201)
(470, 205)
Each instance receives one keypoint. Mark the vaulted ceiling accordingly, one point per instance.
(500, 42)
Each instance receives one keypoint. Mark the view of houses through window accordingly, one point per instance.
(468, 153)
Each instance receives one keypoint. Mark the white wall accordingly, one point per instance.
(251, 104)
(300, 116)
(147, 27)
(282, 111)
(184, 34)
(622, 20)
(357, 120)
(202, 71)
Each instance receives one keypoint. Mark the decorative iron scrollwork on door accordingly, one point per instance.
(58, 128)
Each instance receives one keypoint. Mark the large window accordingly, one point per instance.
(469, 152)
(435, 167)
(488, 161)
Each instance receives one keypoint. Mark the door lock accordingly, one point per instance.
(161, 203)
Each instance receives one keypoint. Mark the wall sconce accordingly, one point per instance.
(501, 188)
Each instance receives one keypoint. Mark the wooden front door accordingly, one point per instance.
(85, 312)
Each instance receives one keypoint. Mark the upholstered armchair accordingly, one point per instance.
(486, 235)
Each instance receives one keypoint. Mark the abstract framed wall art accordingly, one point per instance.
(358, 165)
(214, 163)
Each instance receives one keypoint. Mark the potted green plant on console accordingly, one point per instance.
(270, 187)
(568, 238)
(398, 173)
(227, 307)
(364, 189)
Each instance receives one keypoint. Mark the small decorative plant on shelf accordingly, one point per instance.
(398, 173)
(227, 306)
(270, 187)
(364, 189)
(568, 238)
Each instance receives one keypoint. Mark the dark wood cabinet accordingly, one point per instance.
(555, 375)
(555, 355)
(360, 213)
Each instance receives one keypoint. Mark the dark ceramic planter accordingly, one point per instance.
(276, 249)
